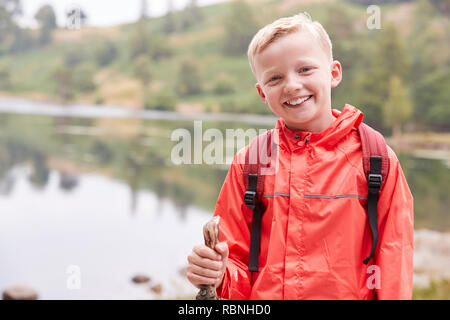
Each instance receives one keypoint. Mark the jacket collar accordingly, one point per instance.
(349, 119)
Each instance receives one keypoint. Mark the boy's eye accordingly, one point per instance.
(305, 69)
(274, 78)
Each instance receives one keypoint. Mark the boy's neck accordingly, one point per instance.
(314, 128)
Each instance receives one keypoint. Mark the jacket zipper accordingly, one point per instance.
(306, 140)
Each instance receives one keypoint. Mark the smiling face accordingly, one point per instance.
(295, 77)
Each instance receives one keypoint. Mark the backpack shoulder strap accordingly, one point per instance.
(376, 169)
(257, 156)
(373, 144)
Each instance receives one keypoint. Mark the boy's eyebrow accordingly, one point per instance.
(268, 72)
(306, 61)
(299, 61)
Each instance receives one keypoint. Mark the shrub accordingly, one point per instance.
(105, 53)
(189, 79)
(164, 99)
(224, 85)
(83, 78)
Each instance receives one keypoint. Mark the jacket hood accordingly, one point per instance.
(349, 119)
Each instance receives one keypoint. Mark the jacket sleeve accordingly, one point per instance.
(394, 255)
(234, 228)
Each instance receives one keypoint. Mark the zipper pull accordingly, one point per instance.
(307, 140)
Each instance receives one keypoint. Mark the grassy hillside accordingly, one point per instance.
(31, 72)
(227, 83)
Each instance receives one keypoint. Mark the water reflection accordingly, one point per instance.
(96, 191)
(7, 183)
(428, 180)
(43, 232)
(40, 172)
(141, 159)
(102, 152)
(67, 182)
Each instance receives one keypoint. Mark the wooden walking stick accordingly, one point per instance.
(211, 235)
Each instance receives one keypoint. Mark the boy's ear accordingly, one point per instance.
(261, 93)
(336, 73)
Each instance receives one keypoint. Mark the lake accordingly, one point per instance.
(91, 196)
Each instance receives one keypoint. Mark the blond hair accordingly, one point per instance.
(283, 26)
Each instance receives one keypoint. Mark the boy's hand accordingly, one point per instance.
(206, 266)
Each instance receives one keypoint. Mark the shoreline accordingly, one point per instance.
(81, 110)
(428, 144)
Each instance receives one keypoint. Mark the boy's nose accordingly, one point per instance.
(293, 85)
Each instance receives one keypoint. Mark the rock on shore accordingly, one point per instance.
(20, 293)
(431, 256)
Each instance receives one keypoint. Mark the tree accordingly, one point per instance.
(442, 6)
(191, 15)
(63, 78)
(74, 57)
(139, 40)
(82, 79)
(386, 57)
(12, 38)
(398, 107)
(224, 84)
(164, 99)
(46, 16)
(7, 27)
(189, 79)
(429, 65)
(391, 57)
(141, 70)
(23, 40)
(5, 78)
(158, 47)
(348, 49)
(422, 40)
(47, 21)
(366, 3)
(169, 20)
(105, 53)
(433, 102)
(13, 7)
(144, 6)
(240, 27)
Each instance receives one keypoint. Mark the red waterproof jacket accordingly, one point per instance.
(315, 232)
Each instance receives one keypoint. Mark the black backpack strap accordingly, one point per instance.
(374, 182)
(255, 236)
(255, 186)
(376, 168)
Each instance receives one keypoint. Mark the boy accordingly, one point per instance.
(314, 231)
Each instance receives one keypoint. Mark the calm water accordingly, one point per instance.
(102, 194)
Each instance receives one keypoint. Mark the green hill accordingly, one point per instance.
(177, 62)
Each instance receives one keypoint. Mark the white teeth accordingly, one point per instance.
(298, 101)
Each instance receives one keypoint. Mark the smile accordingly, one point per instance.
(297, 102)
